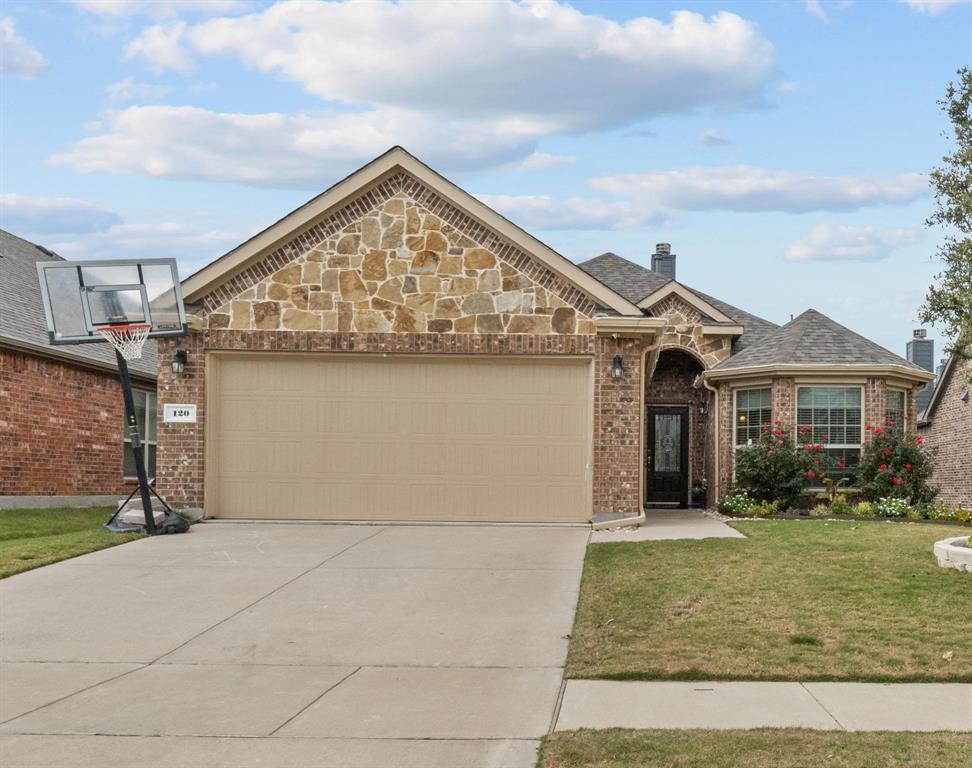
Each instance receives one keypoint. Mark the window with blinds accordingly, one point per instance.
(834, 415)
(754, 410)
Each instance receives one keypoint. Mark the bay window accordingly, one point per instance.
(834, 417)
(753, 412)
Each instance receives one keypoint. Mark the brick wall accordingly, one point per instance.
(182, 449)
(61, 429)
(950, 435)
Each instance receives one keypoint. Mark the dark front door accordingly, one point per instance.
(666, 455)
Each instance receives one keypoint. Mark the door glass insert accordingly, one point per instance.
(668, 442)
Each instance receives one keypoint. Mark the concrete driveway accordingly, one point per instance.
(291, 645)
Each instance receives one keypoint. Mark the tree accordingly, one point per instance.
(949, 301)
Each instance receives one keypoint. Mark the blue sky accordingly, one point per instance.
(780, 147)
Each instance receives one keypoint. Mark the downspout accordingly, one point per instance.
(715, 433)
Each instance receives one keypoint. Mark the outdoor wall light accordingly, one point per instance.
(616, 367)
(179, 361)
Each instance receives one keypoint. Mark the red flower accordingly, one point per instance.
(868, 427)
(817, 448)
(886, 451)
(808, 447)
(841, 464)
(890, 423)
(779, 442)
(895, 480)
(777, 432)
(766, 429)
(907, 466)
(769, 452)
(878, 430)
(823, 438)
(777, 422)
(906, 481)
(811, 474)
(883, 466)
(920, 440)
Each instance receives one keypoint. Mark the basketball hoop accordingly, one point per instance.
(127, 339)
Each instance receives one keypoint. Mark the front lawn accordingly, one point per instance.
(796, 600)
(770, 748)
(33, 537)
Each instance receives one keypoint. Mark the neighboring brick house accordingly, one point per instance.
(61, 409)
(946, 426)
(394, 349)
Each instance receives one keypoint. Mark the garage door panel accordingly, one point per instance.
(424, 438)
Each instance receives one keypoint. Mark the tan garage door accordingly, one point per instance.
(354, 437)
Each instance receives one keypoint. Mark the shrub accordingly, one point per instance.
(895, 465)
(764, 509)
(891, 506)
(862, 509)
(736, 504)
(774, 468)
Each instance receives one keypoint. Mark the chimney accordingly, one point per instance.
(663, 260)
(921, 352)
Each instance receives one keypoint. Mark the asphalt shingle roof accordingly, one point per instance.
(813, 339)
(22, 312)
(634, 282)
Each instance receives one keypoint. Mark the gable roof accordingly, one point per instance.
(952, 367)
(814, 340)
(22, 321)
(357, 186)
(636, 282)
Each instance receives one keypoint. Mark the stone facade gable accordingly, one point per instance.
(454, 224)
(683, 330)
(400, 269)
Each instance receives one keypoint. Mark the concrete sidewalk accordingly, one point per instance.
(667, 524)
(602, 704)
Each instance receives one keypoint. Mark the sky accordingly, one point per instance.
(782, 148)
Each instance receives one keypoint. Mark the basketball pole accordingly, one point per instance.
(137, 449)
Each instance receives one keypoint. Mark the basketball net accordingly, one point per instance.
(127, 339)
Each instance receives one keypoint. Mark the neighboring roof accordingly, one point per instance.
(813, 339)
(22, 322)
(381, 168)
(948, 372)
(635, 282)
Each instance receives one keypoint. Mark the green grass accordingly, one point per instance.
(796, 600)
(784, 748)
(30, 538)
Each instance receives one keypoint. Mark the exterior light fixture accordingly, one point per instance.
(179, 361)
(616, 367)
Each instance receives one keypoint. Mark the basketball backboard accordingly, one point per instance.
(82, 296)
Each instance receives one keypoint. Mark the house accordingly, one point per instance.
(62, 416)
(394, 349)
(946, 426)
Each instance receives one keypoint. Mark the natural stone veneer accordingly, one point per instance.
(400, 269)
(684, 330)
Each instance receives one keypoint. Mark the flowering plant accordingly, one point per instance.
(895, 464)
(775, 467)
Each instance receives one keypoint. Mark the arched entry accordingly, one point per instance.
(674, 430)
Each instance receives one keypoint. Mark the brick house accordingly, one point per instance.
(946, 426)
(394, 349)
(61, 410)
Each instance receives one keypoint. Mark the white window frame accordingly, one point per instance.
(835, 446)
(904, 405)
(735, 413)
(149, 393)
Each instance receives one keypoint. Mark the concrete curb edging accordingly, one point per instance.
(954, 553)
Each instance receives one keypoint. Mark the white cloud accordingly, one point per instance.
(788, 86)
(713, 138)
(933, 7)
(814, 7)
(192, 245)
(532, 60)
(17, 56)
(28, 215)
(280, 150)
(160, 47)
(130, 89)
(546, 160)
(538, 212)
(747, 188)
(830, 241)
(158, 8)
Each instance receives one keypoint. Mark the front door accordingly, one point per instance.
(666, 455)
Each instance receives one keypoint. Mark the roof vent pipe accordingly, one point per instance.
(663, 260)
